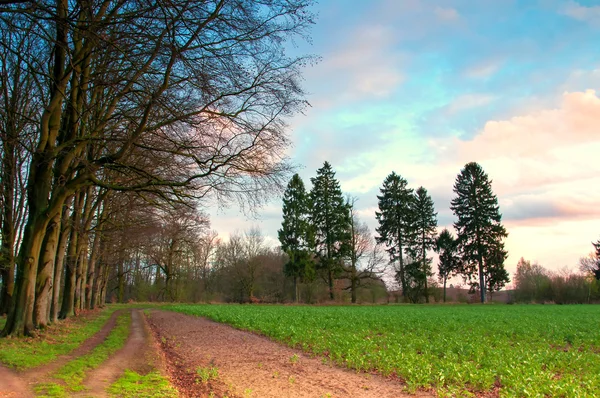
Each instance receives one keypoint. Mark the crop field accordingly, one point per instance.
(454, 350)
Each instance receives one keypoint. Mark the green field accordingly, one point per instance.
(460, 350)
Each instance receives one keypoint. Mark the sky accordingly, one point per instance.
(422, 87)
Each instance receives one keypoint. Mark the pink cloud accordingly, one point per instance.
(576, 121)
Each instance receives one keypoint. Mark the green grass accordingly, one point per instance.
(56, 340)
(460, 350)
(73, 373)
(133, 385)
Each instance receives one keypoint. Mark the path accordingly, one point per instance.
(40, 374)
(137, 354)
(20, 384)
(252, 365)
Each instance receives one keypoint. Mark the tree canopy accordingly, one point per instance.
(479, 228)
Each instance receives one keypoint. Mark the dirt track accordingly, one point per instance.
(252, 365)
(135, 355)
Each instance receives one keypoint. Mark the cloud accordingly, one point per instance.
(366, 65)
(468, 101)
(484, 69)
(577, 11)
(446, 14)
(576, 122)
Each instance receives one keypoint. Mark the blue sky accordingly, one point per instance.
(423, 87)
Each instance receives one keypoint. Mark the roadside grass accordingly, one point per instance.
(457, 350)
(58, 339)
(134, 385)
(73, 373)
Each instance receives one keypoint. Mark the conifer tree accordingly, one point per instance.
(330, 219)
(395, 221)
(479, 227)
(449, 262)
(423, 233)
(294, 234)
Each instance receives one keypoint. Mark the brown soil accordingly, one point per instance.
(12, 384)
(250, 365)
(137, 354)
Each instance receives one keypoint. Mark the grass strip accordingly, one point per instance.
(58, 339)
(134, 385)
(74, 372)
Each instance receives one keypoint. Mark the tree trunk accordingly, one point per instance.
(7, 250)
(65, 229)
(481, 280)
(295, 289)
(45, 272)
(20, 317)
(425, 268)
(121, 281)
(402, 276)
(92, 270)
(445, 289)
(330, 281)
(71, 263)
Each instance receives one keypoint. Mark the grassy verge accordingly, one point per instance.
(134, 385)
(74, 372)
(468, 350)
(58, 339)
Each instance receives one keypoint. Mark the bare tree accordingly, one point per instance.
(366, 260)
(200, 88)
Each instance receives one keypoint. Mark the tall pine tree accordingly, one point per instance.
(395, 221)
(330, 218)
(294, 235)
(423, 233)
(479, 227)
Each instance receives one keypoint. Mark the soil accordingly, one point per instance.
(12, 384)
(250, 365)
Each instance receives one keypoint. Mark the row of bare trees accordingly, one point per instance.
(114, 107)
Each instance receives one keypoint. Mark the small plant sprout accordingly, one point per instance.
(294, 358)
(204, 375)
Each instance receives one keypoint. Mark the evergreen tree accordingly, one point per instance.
(422, 237)
(479, 227)
(330, 218)
(449, 262)
(294, 234)
(395, 221)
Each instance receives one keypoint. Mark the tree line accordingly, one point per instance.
(536, 284)
(114, 112)
(322, 235)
